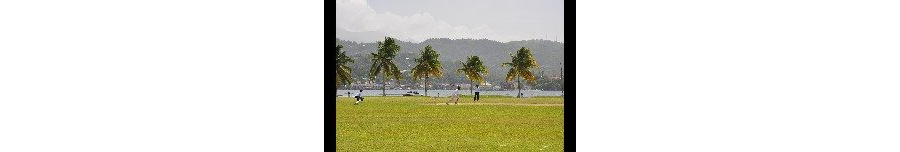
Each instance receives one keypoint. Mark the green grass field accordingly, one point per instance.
(416, 124)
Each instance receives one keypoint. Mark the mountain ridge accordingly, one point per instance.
(549, 55)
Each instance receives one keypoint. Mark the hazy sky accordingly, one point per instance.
(417, 20)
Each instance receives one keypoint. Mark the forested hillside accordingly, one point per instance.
(549, 55)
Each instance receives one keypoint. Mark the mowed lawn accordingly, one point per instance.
(415, 124)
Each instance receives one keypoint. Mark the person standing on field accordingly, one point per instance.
(477, 93)
(359, 97)
(454, 97)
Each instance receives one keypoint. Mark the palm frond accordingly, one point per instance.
(393, 71)
(511, 75)
(343, 75)
(527, 75)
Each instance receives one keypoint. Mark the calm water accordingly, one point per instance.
(444, 93)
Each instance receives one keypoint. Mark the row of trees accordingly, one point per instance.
(428, 65)
(492, 53)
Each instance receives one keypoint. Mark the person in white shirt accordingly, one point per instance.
(359, 97)
(454, 97)
(477, 93)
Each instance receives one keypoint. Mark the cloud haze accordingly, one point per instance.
(358, 16)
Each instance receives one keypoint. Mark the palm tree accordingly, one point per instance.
(342, 70)
(474, 70)
(428, 64)
(382, 62)
(521, 62)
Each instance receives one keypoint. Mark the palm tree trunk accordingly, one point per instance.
(519, 86)
(383, 85)
(335, 84)
(335, 78)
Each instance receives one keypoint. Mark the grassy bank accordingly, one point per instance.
(413, 124)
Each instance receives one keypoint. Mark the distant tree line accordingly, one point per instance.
(385, 63)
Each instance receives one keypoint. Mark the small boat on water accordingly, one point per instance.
(412, 93)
